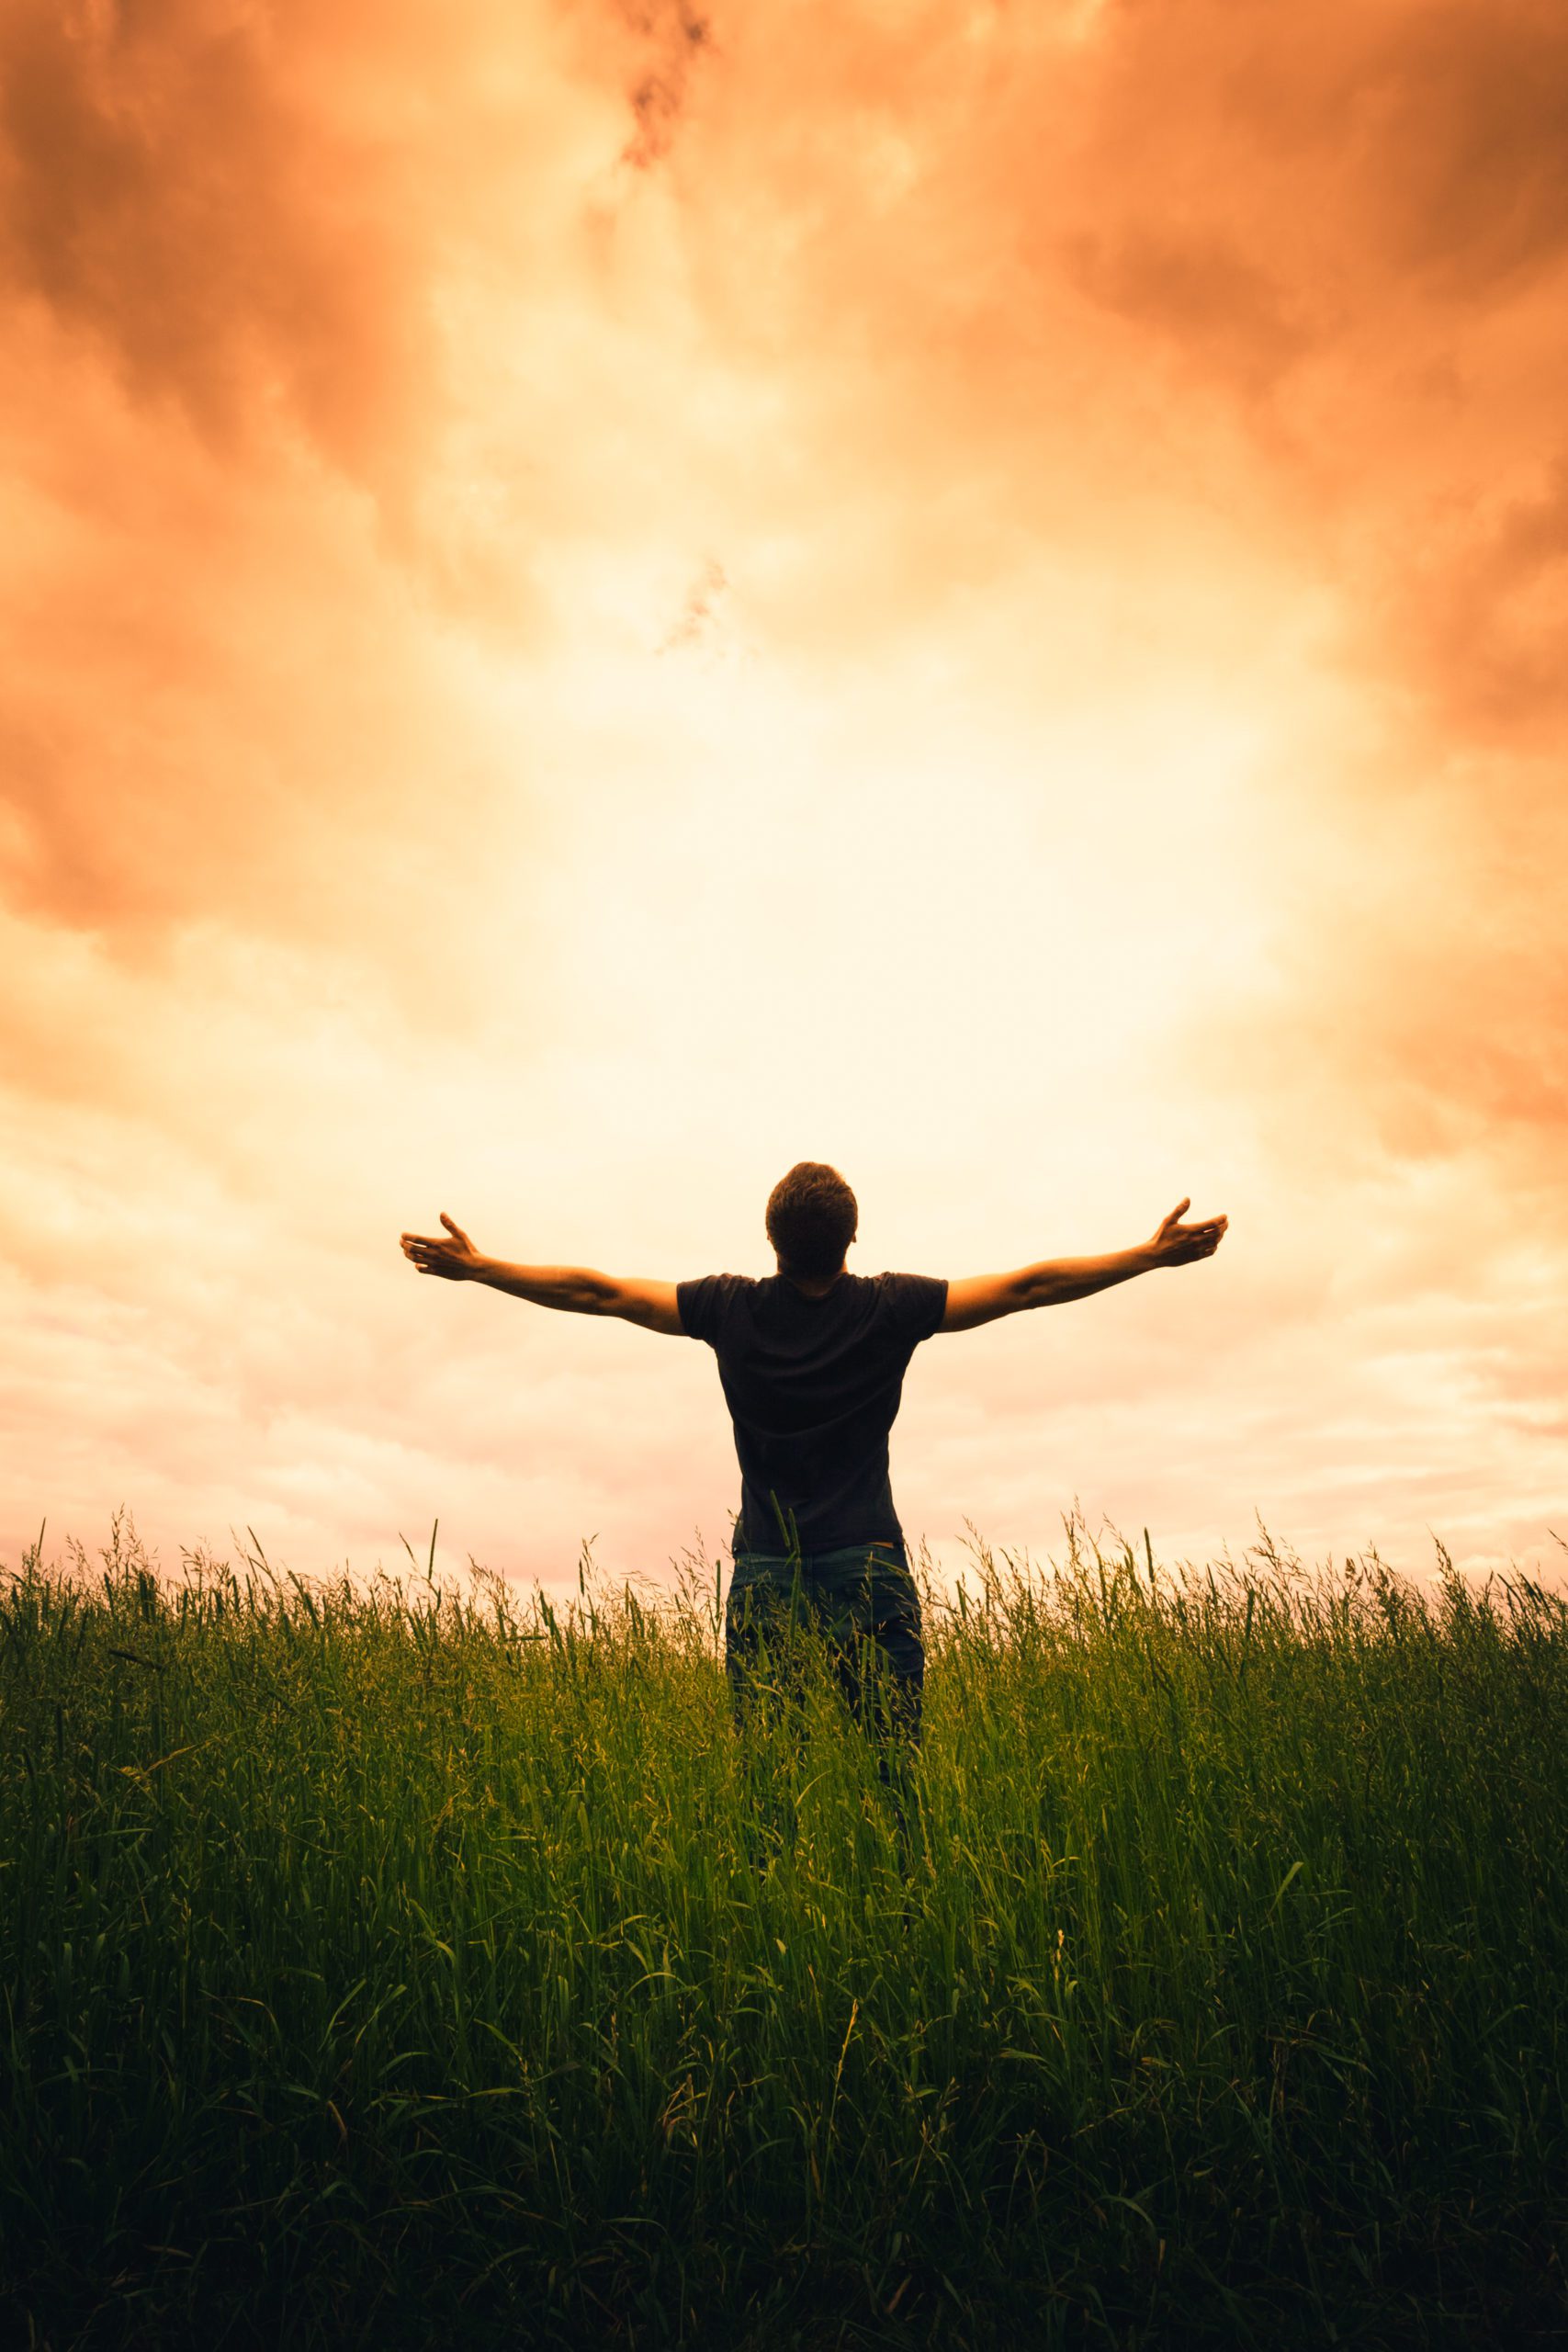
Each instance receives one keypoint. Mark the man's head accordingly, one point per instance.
(812, 1218)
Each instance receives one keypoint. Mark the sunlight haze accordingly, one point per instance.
(599, 600)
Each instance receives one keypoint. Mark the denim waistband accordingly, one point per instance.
(849, 1563)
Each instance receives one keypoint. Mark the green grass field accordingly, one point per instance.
(390, 1968)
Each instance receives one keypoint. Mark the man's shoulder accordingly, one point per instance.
(707, 1300)
(730, 1285)
(915, 1303)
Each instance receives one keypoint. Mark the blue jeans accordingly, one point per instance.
(862, 1602)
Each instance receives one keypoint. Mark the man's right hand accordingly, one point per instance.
(456, 1260)
(1175, 1244)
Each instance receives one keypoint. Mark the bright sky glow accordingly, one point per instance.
(593, 610)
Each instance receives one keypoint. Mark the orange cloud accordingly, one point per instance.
(182, 191)
(596, 598)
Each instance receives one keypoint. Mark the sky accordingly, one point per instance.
(598, 599)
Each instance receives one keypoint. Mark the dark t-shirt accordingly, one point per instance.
(812, 1387)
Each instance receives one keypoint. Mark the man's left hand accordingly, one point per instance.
(454, 1259)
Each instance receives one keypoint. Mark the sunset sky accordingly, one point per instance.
(598, 599)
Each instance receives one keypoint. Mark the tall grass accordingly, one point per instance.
(398, 1965)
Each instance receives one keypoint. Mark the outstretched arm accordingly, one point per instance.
(576, 1290)
(984, 1298)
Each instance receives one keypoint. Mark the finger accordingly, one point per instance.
(454, 1229)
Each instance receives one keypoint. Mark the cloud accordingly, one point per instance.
(177, 191)
(1284, 289)
(1133, 436)
(675, 35)
(1310, 262)
(1351, 149)
(1486, 628)
(1200, 294)
(270, 476)
(1354, 222)
(219, 701)
(700, 623)
(1462, 114)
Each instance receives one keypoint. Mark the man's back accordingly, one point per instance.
(813, 1385)
(812, 1363)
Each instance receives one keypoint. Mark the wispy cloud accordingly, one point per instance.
(1132, 439)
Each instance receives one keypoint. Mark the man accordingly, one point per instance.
(811, 1362)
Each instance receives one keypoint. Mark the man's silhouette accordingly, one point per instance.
(811, 1362)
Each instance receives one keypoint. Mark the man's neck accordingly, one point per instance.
(813, 1285)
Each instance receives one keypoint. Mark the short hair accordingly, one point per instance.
(812, 1217)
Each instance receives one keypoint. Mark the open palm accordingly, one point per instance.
(1175, 1244)
(453, 1259)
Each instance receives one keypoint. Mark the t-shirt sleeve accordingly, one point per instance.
(703, 1305)
(917, 1304)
